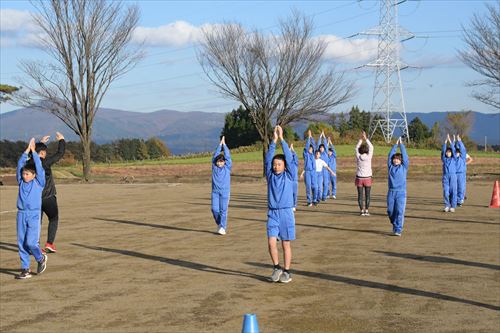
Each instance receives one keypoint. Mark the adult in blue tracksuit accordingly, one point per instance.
(461, 154)
(332, 163)
(280, 172)
(397, 164)
(449, 159)
(309, 173)
(221, 184)
(323, 149)
(31, 180)
(295, 162)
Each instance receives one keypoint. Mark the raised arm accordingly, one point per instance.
(22, 161)
(270, 154)
(217, 151)
(392, 152)
(443, 152)
(463, 150)
(40, 171)
(61, 148)
(227, 156)
(406, 160)
(370, 148)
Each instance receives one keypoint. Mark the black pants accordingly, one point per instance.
(49, 207)
(367, 197)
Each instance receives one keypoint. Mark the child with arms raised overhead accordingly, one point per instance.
(31, 179)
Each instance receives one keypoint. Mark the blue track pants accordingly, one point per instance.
(28, 234)
(396, 204)
(220, 203)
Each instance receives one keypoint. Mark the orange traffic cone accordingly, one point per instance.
(495, 197)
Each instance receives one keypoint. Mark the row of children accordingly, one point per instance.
(281, 173)
(455, 160)
(37, 194)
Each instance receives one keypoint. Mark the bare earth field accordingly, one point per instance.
(144, 258)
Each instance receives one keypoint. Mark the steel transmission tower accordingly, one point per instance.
(388, 106)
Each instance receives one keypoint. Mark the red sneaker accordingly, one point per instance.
(50, 248)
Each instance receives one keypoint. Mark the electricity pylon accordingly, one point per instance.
(388, 105)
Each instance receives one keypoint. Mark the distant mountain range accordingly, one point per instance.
(183, 132)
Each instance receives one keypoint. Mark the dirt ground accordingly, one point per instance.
(145, 258)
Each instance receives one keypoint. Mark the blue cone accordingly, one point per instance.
(250, 324)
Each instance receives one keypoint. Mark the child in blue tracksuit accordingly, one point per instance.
(323, 149)
(281, 220)
(221, 183)
(295, 161)
(332, 163)
(397, 164)
(448, 156)
(309, 173)
(461, 154)
(31, 179)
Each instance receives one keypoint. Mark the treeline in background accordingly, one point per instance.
(116, 151)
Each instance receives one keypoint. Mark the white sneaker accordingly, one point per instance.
(446, 209)
(452, 210)
(221, 231)
(366, 213)
(397, 234)
(334, 197)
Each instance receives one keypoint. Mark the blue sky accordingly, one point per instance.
(169, 77)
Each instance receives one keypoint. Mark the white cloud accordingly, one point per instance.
(12, 20)
(349, 50)
(18, 29)
(178, 33)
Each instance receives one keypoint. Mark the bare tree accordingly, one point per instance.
(89, 45)
(459, 123)
(483, 54)
(277, 78)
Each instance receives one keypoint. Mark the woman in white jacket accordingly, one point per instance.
(364, 154)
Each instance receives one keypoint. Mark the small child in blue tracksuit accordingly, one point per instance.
(461, 154)
(31, 179)
(323, 149)
(280, 172)
(221, 184)
(449, 180)
(332, 163)
(309, 173)
(397, 164)
(295, 161)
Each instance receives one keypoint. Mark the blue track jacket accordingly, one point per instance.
(30, 194)
(449, 164)
(221, 177)
(280, 186)
(397, 174)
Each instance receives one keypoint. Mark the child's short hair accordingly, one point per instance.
(322, 146)
(311, 146)
(457, 150)
(363, 149)
(449, 150)
(220, 157)
(330, 149)
(279, 157)
(39, 146)
(29, 166)
(398, 156)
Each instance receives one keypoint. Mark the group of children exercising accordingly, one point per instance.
(320, 180)
(37, 191)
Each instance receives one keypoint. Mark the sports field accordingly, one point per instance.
(145, 258)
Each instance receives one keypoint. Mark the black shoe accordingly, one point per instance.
(42, 264)
(25, 274)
